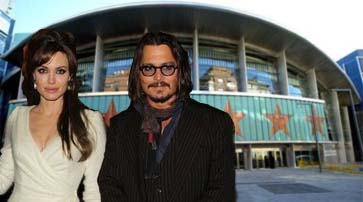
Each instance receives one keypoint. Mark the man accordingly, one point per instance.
(167, 146)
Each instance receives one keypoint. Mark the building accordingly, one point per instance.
(272, 82)
(117, 81)
(17, 38)
(352, 65)
(218, 79)
(6, 32)
(6, 5)
(6, 70)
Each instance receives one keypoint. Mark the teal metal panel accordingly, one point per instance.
(218, 102)
(254, 126)
(239, 109)
(269, 108)
(125, 102)
(196, 97)
(223, 101)
(236, 113)
(251, 118)
(320, 111)
(301, 115)
(202, 98)
(281, 135)
(306, 107)
(264, 123)
(297, 120)
(304, 125)
(117, 101)
(237, 103)
(307, 112)
(232, 101)
(210, 100)
(291, 123)
(102, 104)
(258, 119)
(87, 101)
(107, 100)
(246, 134)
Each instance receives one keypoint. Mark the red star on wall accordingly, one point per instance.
(236, 117)
(110, 113)
(316, 122)
(278, 121)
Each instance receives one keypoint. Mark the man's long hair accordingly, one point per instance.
(185, 85)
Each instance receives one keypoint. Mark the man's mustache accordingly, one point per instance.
(158, 84)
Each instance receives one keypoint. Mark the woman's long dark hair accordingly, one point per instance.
(185, 85)
(38, 51)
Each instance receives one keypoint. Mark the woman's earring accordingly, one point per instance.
(70, 87)
(35, 86)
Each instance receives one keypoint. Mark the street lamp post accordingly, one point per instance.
(316, 136)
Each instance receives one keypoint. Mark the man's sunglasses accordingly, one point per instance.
(150, 70)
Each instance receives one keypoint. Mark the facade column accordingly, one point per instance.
(336, 125)
(242, 66)
(247, 155)
(282, 73)
(347, 135)
(195, 67)
(98, 74)
(290, 156)
(312, 84)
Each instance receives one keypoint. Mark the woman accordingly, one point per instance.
(54, 141)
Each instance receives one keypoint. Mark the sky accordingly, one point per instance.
(333, 26)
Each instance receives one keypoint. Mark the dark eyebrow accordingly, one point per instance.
(165, 63)
(59, 67)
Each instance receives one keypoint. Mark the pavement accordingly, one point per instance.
(297, 185)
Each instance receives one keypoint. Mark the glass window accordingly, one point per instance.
(2, 43)
(217, 67)
(86, 64)
(187, 45)
(361, 65)
(117, 62)
(297, 83)
(189, 49)
(262, 76)
(2, 69)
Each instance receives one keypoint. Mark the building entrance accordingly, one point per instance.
(239, 163)
(268, 158)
